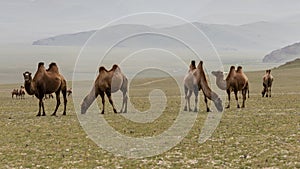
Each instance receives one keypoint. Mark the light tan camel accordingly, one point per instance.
(235, 81)
(107, 82)
(46, 82)
(195, 81)
(267, 83)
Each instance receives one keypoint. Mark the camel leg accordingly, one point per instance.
(188, 95)
(236, 98)
(270, 92)
(64, 93)
(108, 93)
(228, 93)
(244, 93)
(207, 108)
(124, 104)
(103, 101)
(57, 93)
(185, 96)
(44, 114)
(196, 92)
(189, 100)
(263, 92)
(40, 106)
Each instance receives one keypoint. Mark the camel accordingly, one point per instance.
(195, 81)
(14, 92)
(22, 92)
(46, 82)
(235, 81)
(49, 96)
(69, 91)
(107, 82)
(267, 83)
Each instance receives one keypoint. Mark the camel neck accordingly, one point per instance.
(29, 87)
(221, 83)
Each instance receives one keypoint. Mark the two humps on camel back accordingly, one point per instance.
(107, 82)
(235, 81)
(195, 81)
(46, 81)
(267, 83)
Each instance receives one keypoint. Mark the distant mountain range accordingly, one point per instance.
(284, 54)
(259, 36)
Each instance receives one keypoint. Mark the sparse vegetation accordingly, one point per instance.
(264, 134)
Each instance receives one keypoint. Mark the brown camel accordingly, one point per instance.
(235, 81)
(107, 82)
(22, 92)
(267, 83)
(195, 81)
(14, 92)
(46, 82)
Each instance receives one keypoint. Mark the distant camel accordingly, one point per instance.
(69, 91)
(267, 83)
(14, 92)
(107, 82)
(235, 81)
(22, 92)
(49, 96)
(46, 82)
(195, 81)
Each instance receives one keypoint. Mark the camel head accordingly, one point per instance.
(218, 73)
(218, 104)
(27, 76)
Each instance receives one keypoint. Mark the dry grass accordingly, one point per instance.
(264, 134)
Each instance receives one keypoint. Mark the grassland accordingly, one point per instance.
(264, 134)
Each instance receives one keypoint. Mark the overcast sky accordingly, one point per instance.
(23, 21)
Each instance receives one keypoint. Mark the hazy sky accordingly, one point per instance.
(28, 20)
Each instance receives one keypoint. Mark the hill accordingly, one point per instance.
(292, 64)
(284, 54)
(259, 36)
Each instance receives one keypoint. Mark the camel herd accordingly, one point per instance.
(18, 93)
(48, 81)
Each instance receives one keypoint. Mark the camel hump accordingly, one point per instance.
(239, 69)
(102, 68)
(200, 64)
(40, 64)
(193, 63)
(114, 67)
(53, 67)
